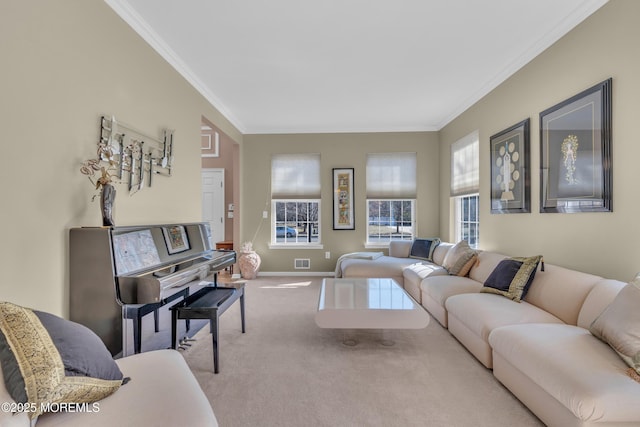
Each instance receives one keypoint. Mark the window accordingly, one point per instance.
(391, 192)
(296, 221)
(390, 220)
(467, 219)
(295, 199)
(465, 183)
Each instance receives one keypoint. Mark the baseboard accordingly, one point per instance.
(296, 273)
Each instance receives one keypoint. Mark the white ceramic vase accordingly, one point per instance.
(249, 263)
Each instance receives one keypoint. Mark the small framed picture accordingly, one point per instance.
(510, 170)
(343, 199)
(176, 239)
(575, 153)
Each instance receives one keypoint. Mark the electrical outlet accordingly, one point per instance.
(265, 214)
(327, 255)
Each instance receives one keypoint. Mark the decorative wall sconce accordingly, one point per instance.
(137, 156)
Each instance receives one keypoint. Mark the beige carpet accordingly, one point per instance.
(285, 371)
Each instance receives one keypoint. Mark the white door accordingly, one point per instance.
(213, 202)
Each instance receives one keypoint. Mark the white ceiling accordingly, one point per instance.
(283, 66)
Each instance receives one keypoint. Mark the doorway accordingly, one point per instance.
(213, 201)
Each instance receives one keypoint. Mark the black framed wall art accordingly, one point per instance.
(575, 153)
(343, 199)
(510, 170)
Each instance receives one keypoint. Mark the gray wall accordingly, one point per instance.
(603, 46)
(336, 150)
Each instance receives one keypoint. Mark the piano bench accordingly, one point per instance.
(208, 303)
(136, 312)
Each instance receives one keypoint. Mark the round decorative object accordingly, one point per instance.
(107, 198)
(249, 263)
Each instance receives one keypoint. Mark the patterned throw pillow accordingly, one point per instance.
(423, 249)
(512, 277)
(619, 324)
(460, 259)
(48, 360)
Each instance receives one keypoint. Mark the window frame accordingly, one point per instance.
(275, 244)
(465, 183)
(459, 225)
(384, 244)
(391, 177)
(295, 178)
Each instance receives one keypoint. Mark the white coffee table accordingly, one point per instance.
(361, 303)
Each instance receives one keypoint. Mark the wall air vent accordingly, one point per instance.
(301, 263)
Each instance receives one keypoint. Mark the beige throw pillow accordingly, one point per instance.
(460, 259)
(619, 324)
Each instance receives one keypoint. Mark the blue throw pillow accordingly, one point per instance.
(512, 277)
(423, 248)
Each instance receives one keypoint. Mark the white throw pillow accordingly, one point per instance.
(619, 324)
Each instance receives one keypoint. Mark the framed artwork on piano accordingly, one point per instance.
(176, 239)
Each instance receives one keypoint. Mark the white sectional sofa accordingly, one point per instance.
(541, 347)
(407, 271)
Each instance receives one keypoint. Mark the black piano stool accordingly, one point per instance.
(136, 312)
(208, 303)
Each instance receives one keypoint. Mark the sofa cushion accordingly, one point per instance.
(487, 262)
(472, 317)
(46, 359)
(423, 249)
(512, 277)
(400, 248)
(561, 291)
(442, 287)
(436, 290)
(441, 252)
(162, 392)
(460, 259)
(619, 324)
(414, 274)
(384, 266)
(482, 312)
(579, 371)
(602, 294)
(8, 419)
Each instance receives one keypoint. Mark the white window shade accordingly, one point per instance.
(295, 176)
(465, 166)
(391, 175)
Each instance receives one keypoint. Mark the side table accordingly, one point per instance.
(208, 303)
(226, 245)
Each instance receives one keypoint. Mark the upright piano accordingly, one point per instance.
(120, 274)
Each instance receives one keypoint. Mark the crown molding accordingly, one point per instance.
(123, 9)
(326, 130)
(140, 26)
(581, 13)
